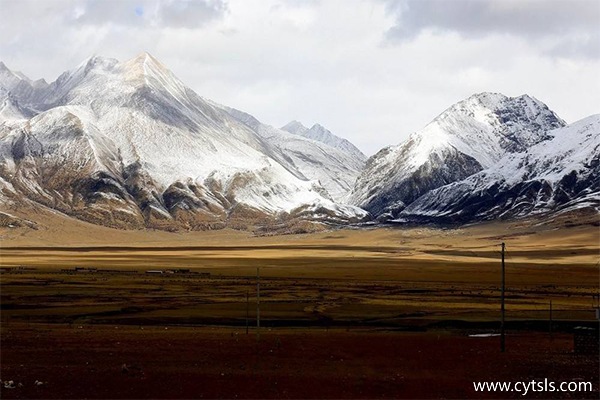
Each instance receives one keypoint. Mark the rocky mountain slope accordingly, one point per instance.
(468, 137)
(127, 144)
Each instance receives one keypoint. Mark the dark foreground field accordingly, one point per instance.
(100, 361)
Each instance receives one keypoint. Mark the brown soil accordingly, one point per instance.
(155, 362)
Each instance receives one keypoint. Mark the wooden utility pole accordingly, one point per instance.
(550, 326)
(502, 310)
(257, 304)
(247, 310)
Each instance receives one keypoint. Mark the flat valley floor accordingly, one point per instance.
(92, 312)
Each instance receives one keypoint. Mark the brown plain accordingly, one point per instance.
(352, 313)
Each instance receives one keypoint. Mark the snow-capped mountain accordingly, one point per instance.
(128, 144)
(558, 174)
(323, 135)
(332, 166)
(466, 138)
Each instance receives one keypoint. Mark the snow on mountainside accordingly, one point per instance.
(334, 168)
(129, 145)
(557, 174)
(466, 138)
(10, 109)
(321, 134)
(21, 87)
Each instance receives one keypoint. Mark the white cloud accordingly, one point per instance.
(328, 61)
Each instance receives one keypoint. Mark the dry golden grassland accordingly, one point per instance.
(390, 276)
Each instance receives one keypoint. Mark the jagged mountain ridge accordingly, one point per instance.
(129, 145)
(321, 134)
(556, 175)
(335, 168)
(466, 138)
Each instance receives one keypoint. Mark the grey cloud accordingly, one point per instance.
(155, 13)
(474, 18)
(586, 47)
(98, 12)
(190, 13)
(300, 3)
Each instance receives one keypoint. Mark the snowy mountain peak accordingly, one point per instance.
(91, 66)
(96, 69)
(320, 130)
(93, 63)
(146, 69)
(486, 126)
(145, 60)
(103, 63)
(495, 102)
(321, 134)
(5, 70)
(497, 108)
(469, 136)
(488, 99)
(295, 127)
(18, 91)
(127, 144)
(10, 79)
(144, 56)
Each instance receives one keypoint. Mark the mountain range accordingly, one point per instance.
(128, 145)
(488, 156)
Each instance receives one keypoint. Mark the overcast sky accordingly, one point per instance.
(372, 71)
